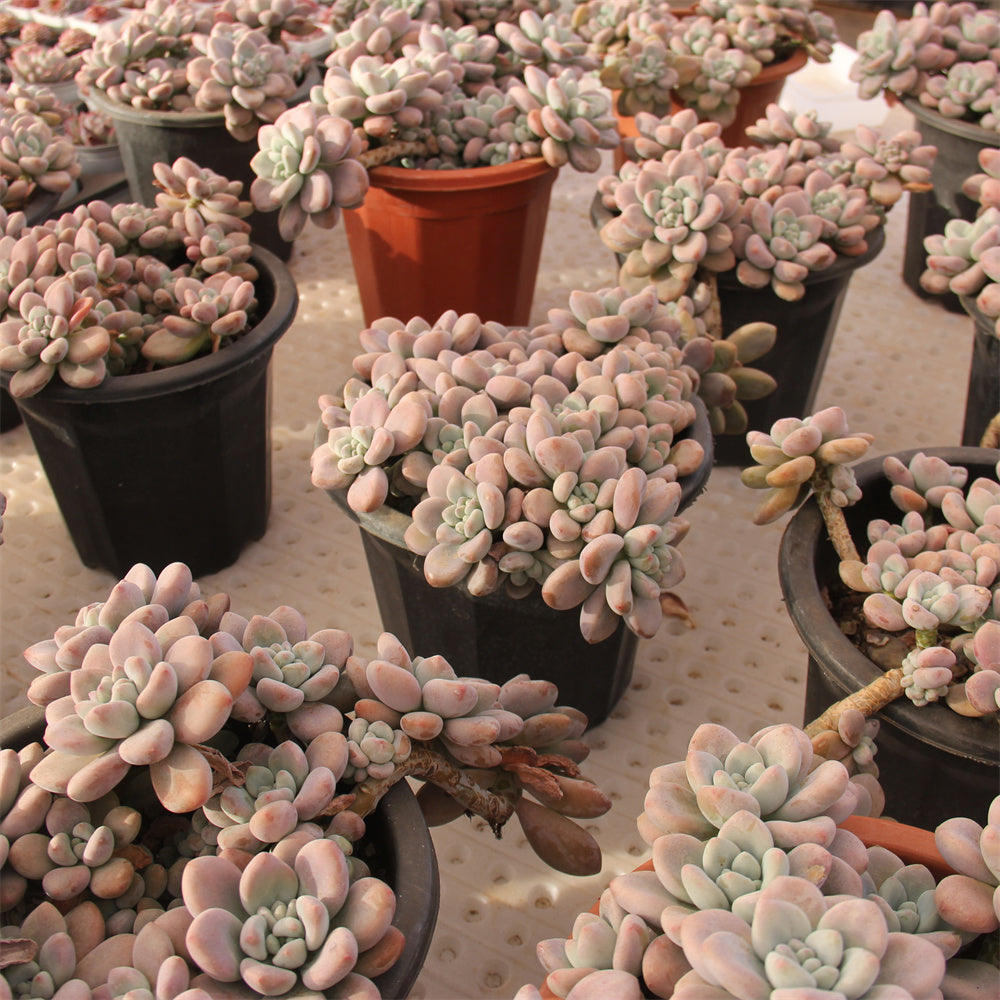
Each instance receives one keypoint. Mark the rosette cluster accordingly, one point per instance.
(737, 902)
(688, 207)
(111, 289)
(269, 746)
(528, 463)
(800, 454)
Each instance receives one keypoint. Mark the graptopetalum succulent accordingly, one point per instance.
(687, 207)
(944, 55)
(110, 290)
(655, 55)
(934, 575)
(754, 891)
(266, 746)
(548, 458)
(427, 92)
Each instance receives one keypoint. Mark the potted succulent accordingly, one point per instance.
(942, 63)
(726, 59)
(771, 875)
(48, 66)
(914, 614)
(771, 231)
(137, 343)
(519, 490)
(37, 167)
(196, 80)
(213, 805)
(965, 260)
(437, 131)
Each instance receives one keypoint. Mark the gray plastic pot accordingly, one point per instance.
(933, 763)
(397, 846)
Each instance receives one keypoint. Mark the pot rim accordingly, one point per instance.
(192, 119)
(461, 179)
(144, 385)
(953, 126)
(934, 724)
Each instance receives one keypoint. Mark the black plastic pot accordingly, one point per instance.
(148, 137)
(497, 637)
(982, 400)
(958, 144)
(805, 335)
(397, 847)
(932, 762)
(173, 464)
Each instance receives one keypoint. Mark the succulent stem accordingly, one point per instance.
(991, 436)
(836, 526)
(427, 765)
(386, 154)
(869, 700)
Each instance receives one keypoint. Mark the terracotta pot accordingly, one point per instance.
(764, 89)
(982, 400)
(497, 636)
(933, 763)
(397, 846)
(426, 241)
(928, 212)
(173, 464)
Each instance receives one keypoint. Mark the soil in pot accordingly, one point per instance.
(933, 763)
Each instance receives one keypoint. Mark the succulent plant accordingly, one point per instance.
(108, 289)
(37, 63)
(256, 883)
(432, 92)
(944, 55)
(690, 207)
(933, 575)
(33, 157)
(965, 258)
(576, 494)
(734, 903)
(970, 899)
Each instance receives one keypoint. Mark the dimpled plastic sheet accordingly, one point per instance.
(899, 366)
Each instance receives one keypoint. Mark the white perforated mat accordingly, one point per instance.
(899, 366)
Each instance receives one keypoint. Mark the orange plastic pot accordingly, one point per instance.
(426, 241)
